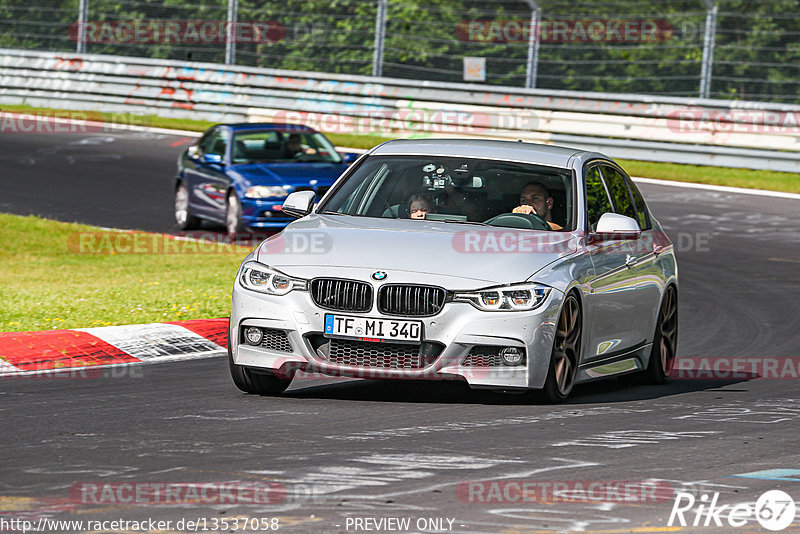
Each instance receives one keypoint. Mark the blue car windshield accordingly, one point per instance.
(274, 146)
(455, 189)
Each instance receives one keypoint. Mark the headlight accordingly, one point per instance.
(259, 277)
(518, 297)
(264, 191)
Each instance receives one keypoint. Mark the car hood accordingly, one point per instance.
(294, 174)
(457, 256)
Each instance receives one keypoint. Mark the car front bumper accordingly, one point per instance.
(258, 213)
(456, 330)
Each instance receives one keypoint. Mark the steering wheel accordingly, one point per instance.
(527, 221)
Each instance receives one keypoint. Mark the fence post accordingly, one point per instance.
(230, 34)
(83, 17)
(708, 48)
(380, 36)
(534, 38)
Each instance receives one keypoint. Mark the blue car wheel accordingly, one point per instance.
(183, 214)
(233, 215)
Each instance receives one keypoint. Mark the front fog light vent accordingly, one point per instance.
(494, 356)
(512, 356)
(253, 335)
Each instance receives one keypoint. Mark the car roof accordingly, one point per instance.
(554, 156)
(262, 126)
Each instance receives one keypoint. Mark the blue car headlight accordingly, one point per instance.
(516, 297)
(259, 277)
(266, 191)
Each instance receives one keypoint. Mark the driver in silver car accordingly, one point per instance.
(536, 199)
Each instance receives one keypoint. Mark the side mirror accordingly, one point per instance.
(299, 204)
(193, 152)
(613, 227)
(212, 158)
(349, 157)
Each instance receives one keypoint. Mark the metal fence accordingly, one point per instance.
(728, 133)
(730, 49)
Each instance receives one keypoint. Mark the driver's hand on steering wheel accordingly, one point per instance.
(523, 209)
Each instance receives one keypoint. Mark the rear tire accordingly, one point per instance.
(665, 340)
(256, 383)
(183, 214)
(563, 366)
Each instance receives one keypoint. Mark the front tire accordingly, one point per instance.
(183, 214)
(563, 366)
(256, 383)
(665, 340)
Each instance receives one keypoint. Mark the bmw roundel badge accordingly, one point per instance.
(379, 275)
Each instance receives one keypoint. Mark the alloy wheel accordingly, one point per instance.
(567, 345)
(668, 323)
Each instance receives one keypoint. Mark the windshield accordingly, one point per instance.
(457, 189)
(282, 146)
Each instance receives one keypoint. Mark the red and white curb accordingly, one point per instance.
(29, 353)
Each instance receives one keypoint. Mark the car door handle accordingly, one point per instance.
(630, 261)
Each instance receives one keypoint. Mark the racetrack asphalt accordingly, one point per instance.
(347, 449)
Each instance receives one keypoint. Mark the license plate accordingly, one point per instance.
(373, 329)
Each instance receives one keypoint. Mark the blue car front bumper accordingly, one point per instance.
(257, 213)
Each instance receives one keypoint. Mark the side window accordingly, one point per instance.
(597, 202)
(214, 143)
(205, 142)
(643, 217)
(618, 189)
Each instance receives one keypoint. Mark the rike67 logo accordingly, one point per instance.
(774, 510)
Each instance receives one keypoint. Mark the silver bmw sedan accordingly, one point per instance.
(506, 265)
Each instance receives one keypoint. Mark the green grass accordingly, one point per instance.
(750, 179)
(47, 284)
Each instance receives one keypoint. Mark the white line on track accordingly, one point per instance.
(720, 188)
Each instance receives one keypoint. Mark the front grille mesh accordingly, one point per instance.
(341, 295)
(410, 300)
(483, 356)
(380, 355)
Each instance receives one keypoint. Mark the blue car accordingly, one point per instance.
(239, 174)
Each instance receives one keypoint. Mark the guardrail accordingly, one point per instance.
(757, 135)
